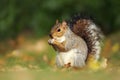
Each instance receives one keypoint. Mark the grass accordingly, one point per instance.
(59, 75)
(35, 60)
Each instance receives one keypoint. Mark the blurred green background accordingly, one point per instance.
(38, 16)
(24, 29)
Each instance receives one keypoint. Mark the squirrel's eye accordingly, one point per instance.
(58, 30)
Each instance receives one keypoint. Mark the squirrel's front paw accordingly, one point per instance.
(50, 41)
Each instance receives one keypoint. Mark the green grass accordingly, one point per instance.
(23, 64)
(58, 75)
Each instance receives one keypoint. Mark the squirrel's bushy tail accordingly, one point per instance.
(84, 26)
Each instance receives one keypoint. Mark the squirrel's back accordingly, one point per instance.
(85, 27)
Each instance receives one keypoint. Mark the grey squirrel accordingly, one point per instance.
(75, 41)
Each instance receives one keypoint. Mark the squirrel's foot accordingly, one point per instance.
(67, 65)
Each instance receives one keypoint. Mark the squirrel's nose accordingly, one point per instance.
(51, 35)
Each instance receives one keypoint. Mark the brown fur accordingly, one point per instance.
(55, 34)
(79, 28)
(59, 46)
(54, 31)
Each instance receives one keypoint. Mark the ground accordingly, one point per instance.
(33, 59)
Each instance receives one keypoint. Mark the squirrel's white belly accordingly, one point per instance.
(74, 57)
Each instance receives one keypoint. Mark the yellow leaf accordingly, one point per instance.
(115, 47)
(94, 64)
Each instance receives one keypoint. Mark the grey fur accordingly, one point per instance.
(73, 42)
(95, 37)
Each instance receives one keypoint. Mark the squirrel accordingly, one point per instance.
(75, 41)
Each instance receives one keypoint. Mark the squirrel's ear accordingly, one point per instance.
(57, 21)
(64, 23)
